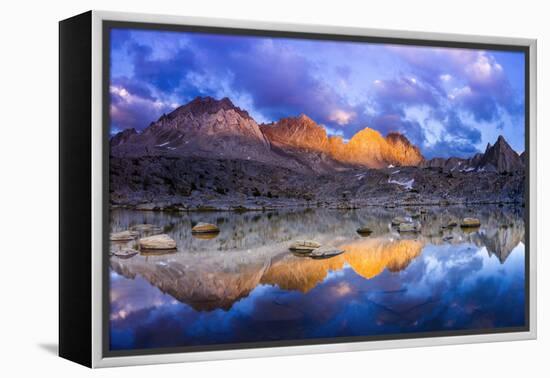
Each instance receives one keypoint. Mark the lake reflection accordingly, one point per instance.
(243, 285)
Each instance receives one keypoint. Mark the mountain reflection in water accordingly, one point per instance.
(244, 285)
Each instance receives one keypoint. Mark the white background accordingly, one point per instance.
(29, 189)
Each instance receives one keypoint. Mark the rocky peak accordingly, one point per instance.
(501, 156)
(367, 135)
(123, 136)
(396, 138)
(403, 151)
(367, 147)
(300, 124)
(300, 131)
(206, 126)
(501, 143)
(209, 105)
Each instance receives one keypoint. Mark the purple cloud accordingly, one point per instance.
(460, 91)
(394, 93)
(134, 109)
(471, 79)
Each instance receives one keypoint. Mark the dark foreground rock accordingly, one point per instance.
(198, 184)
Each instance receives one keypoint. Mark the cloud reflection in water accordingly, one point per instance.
(381, 285)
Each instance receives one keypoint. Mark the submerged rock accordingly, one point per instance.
(304, 246)
(205, 228)
(125, 253)
(364, 231)
(399, 220)
(146, 228)
(205, 235)
(149, 206)
(409, 227)
(124, 235)
(451, 224)
(157, 252)
(157, 242)
(325, 252)
(470, 223)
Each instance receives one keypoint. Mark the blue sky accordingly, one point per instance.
(447, 101)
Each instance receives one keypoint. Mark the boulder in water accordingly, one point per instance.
(124, 235)
(205, 228)
(146, 229)
(399, 220)
(304, 246)
(325, 252)
(364, 231)
(155, 242)
(409, 227)
(125, 253)
(470, 223)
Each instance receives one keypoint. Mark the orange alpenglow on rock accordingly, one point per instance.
(366, 148)
(367, 257)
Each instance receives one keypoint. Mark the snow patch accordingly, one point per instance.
(407, 184)
(391, 166)
(163, 144)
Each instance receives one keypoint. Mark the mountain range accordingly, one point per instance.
(206, 127)
(211, 154)
(499, 157)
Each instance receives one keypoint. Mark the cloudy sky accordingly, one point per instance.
(449, 102)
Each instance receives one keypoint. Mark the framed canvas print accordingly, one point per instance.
(232, 189)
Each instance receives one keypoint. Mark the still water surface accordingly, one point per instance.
(245, 286)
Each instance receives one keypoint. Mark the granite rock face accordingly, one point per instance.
(367, 148)
(204, 127)
(499, 157)
(212, 128)
(502, 157)
(211, 154)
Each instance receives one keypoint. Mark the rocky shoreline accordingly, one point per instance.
(196, 184)
(167, 207)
